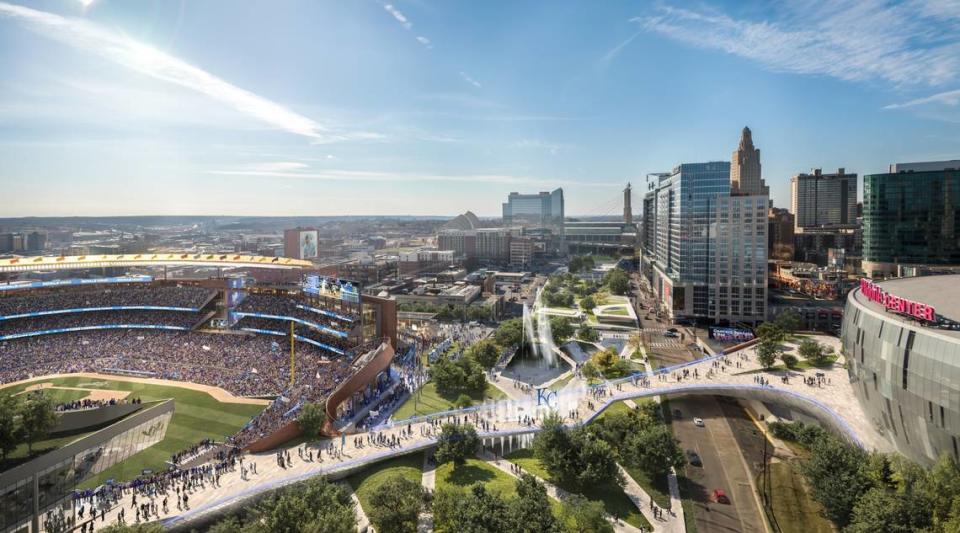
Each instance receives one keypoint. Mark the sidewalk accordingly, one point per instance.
(429, 482)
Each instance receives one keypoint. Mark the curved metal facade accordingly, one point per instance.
(906, 377)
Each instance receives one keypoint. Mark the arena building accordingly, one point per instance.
(901, 338)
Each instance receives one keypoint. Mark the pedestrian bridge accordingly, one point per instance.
(511, 422)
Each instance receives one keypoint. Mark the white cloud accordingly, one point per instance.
(424, 41)
(615, 51)
(905, 43)
(147, 60)
(401, 18)
(470, 80)
(948, 98)
(553, 148)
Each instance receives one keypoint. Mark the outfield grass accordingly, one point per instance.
(429, 400)
(365, 482)
(197, 416)
(614, 500)
(794, 509)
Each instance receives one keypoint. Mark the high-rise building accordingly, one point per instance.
(707, 247)
(484, 244)
(821, 200)
(745, 176)
(911, 217)
(36, 241)
(541, 210)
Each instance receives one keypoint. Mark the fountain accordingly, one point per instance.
(528, 331)
(544, 332)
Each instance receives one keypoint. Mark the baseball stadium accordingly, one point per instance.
(153, 373)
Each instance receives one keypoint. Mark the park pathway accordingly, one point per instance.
(429, 482)
(554, 491)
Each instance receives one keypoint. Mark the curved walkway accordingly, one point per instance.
(731, 375)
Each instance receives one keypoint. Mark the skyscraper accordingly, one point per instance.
(821, 200)
(745, 176)
(911, 217)
(706, 248)
(541, 210)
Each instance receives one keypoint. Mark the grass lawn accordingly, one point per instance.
(656, 488)
(59, 396)
(429, 401)
(614, 500)
(197, 416)
(794, 509)
(561, 383)
(365, 482)
(616, 311)
(19, 454)
(689, 518)
(476, 471)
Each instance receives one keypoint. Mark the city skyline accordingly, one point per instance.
(445, 107)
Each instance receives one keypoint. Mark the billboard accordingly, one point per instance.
(308, 244)
(731, 334)
(337, 289)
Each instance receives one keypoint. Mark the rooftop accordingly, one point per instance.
(935, 291)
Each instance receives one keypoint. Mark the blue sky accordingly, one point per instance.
(438, 106)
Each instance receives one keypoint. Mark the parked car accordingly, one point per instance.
(694, 458)
(670, 334)
(697, 421)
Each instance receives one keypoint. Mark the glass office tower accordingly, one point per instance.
(910, 217)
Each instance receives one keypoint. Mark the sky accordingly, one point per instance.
(434, 107)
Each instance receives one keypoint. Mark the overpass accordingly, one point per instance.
(737, 375)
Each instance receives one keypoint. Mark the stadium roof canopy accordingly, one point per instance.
(81, 262)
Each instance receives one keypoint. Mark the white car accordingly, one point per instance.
(698, 422)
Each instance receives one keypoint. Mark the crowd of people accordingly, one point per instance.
(104, 296)
(78, 405)
(336, 316)
(180, 319)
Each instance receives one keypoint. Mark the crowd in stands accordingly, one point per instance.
(272, 304)
(101, 296)
(283, 326)
(97, 318)
(77, 405)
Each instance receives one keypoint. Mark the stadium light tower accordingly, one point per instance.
(292, 354)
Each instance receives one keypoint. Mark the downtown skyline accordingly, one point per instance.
(430, 108)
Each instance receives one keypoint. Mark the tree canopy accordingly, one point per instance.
(484, 352)
(617, 281)
(396, 504)
(462, 375)
(574, 457)
(311, 418)
(456, 443)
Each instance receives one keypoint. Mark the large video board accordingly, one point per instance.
(309, 244)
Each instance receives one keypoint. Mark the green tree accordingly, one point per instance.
(584, 516)
(530, 511)
(789, 360)
(586, 333)
(590, 370)
(610, 364)
(311, 506)
(768, 351)
(8, 425)
(37, 418)
(396, 504)
(884, 510)
(463, 401)
(456, 443)
(311, 418)
(229, 524)
(509, 333)
(462, 375)
(484, 352)
(789, 321)
(835, 470)
(617, 281)
(472, 511)
(574, 457)
(561, 328)
(587, 303)
(813, 351)
(654, 450)
(771, 331)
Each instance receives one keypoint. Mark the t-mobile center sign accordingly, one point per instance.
(897, 304)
